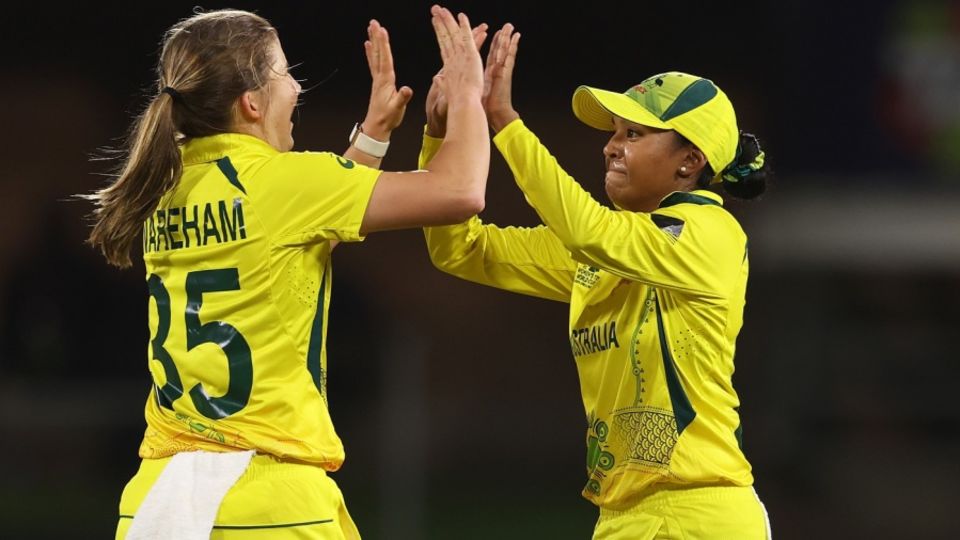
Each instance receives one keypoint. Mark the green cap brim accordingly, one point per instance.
(596, 108)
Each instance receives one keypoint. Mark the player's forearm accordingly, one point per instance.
(501, 118)
(524, 261)
(570, 212)
(463, 158)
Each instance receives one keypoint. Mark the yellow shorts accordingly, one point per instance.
(272, 499)
(716, 513)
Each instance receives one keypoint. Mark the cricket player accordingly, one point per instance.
(237, 231)
(655, 288)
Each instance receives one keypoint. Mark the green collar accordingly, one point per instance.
(700, 196)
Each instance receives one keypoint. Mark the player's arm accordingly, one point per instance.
(633, 245)
(522, 260)
(387, 106)
(529, 261)
(452, 187)
(687, 247)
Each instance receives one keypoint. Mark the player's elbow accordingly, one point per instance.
(442, 258)
(464, 193)
(446, 250)
(464, 206)
(472, 205)
(579, 243)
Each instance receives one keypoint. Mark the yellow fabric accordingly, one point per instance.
(272, 499)
(238, 267)
(529, 261)
(655, 414)
(524, 260)
(703, 513)
(711, 126)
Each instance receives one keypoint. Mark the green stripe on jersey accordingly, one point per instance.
(682, 410)
(679, 197)
(250, 527)
(226, 167)
(316, 338)
(279, 526)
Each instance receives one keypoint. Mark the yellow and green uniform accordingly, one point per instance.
(656, 302)
(238, 271)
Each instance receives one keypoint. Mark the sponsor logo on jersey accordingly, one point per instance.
(588, 276)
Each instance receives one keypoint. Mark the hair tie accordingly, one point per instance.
(172, 93)
(734, 172)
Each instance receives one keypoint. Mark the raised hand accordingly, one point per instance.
(387, 103)
(461, 77)
(452, 186)
(498, 78)
(437, 102)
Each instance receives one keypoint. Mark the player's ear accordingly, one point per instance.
(692, 163)
(250, 106)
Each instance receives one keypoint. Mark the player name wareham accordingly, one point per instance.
(193, 226)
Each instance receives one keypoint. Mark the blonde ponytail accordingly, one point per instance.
(152, 167)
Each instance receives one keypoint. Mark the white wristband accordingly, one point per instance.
(366, 144)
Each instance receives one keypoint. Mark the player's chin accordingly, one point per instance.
(619, 197)
(611, 187)
(614, 180)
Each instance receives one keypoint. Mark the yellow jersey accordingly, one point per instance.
(656, 303)
(238, 272)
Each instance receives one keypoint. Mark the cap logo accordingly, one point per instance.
(646, 94)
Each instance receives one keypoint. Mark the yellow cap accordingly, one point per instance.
(692, 106)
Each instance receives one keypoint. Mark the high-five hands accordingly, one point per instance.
(387, 103)
(461, 76)
(437, 102)
(497, 83)
(498, 78)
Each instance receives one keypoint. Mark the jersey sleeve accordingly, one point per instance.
(307, 197)
(529, 261)
(696, 249)
(429, 148)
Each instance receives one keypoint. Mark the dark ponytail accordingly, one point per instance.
(746, 177)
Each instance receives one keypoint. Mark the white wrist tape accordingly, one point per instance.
(366, 144)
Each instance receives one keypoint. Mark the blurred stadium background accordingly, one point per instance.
(459, 405)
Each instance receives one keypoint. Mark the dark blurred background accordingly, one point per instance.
(459, 405)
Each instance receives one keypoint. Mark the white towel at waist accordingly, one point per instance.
(183, 502)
